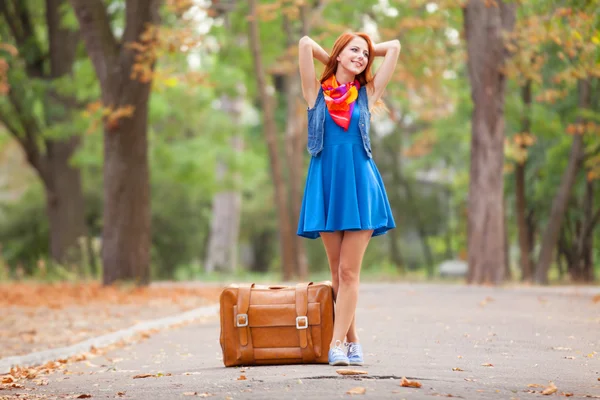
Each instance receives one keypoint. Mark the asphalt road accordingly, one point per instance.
(502, 340)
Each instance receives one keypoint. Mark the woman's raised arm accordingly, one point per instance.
(390, 51)
(307, 50)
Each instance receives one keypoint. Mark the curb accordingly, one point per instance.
(42, 357)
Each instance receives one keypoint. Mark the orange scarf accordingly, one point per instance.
(340, 100)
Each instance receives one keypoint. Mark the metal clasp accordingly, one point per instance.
(302, 322)
(241, 320)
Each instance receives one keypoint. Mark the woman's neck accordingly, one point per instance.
(343, 76)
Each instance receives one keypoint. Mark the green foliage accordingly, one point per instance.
(24, 231)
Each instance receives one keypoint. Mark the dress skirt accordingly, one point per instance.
(344, 190)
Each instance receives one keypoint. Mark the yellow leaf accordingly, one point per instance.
(406, 383)
(351, 372)
(171, 82)
(550, 389)
(357, 390)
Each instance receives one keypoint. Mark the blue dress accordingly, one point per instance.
(344, 190)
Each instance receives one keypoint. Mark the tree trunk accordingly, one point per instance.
(507, 270)
(484, 25)
(65, 202)
(416, 213)
(559, 205)
(126, 220)
(270, 130)
(295, 135)
(62, 183)
(521, 202)
(226, 209)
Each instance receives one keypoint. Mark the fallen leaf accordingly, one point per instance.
(31, 373)
(84, 396)
(535, 385)
(406, 383)
(140, 376)
(357, 390)
(8, 379)
(120, 394)
(457, 369)
(487, 365)
(242, 378)
(550, 389)
(566, 394)
(351, 372)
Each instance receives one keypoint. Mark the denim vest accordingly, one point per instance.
(316, 122)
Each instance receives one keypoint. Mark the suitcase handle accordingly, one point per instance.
(277, 287)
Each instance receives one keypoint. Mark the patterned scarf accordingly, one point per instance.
(340, 100)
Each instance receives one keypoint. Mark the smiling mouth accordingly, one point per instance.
(358, 63)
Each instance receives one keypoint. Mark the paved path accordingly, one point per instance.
(418, 331)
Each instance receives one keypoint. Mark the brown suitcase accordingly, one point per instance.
(263, 325)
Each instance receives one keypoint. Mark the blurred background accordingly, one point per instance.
(148, 140)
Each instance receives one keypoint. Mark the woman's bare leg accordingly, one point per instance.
(333, 245)
(353, 246)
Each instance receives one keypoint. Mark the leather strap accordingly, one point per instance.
(306, 345)
(246, 350)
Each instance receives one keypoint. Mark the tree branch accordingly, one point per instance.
(593, 223)
(100, 42)
(17, 17)
(139, 14)
(29, 139)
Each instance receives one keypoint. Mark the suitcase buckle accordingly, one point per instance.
(302, 322)
(243, 318)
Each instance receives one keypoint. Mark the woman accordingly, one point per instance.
(345, 202)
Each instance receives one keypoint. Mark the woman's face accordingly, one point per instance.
(355, 56)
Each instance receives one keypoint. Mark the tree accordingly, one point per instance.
(484, 25)
(124, 68)
(49, 156)
(270, 131)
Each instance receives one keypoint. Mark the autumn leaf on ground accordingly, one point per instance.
(487, 365)
(84, 396)
(242, 378)
(406, 383)
(566, 394)
(140, 376)
(485, 301)
(120, 394)
(8, 379)
(457, 369)
(535, 385)
(550, 389)
(357, 390)
(351, 372)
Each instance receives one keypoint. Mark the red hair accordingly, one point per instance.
(364, 77)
